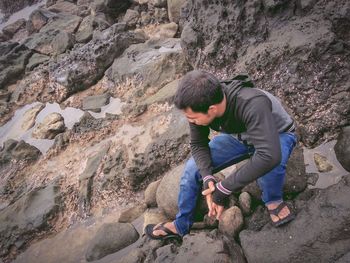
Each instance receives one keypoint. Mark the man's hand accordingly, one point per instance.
(214, 209)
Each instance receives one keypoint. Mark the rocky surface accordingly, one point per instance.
(94, 174)
(328, 239)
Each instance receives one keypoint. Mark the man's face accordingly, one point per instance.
(199, 118)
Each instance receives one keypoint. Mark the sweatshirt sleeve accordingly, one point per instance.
(263, 135)
(200, 148)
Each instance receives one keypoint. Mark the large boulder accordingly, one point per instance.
(151, 64)
(342, 148)
(88, 25)
(28, 216)
(158, 145)
(82, 67)
(109, 239)
(52, 125)
(320, 230)
(198, 248)
(270, 41)
(65, 7)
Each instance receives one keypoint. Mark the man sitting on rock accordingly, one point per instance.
(253, 125)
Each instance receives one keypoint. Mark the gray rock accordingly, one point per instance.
(152, 64)
(62, 42)
(65, 22)
(344, 259)
(38, 18)
(88, 25)
(13, 64)
(42, 42)
(166, 30)
(65, 7)
(150, 194)
(231, 221)
(326, 217)
(86, 179)
(174, 8)
(36, 60)
(342, 148)
(111, 238)
(129, 215)
(6, 47)
(135, 256)
(14, 150)
(165, 94)
(322, 163)
(94, 103)
(28, 215)
(11, 29)
(52, 125)
(30, 116)
(131, 17)
(85, 65)
(191, 250)
(245, 203)
(168, 191)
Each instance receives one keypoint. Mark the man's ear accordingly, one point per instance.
(213, 109)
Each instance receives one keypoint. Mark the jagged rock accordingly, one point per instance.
(52, 125)
(85, 65)
(65, 7)
(231, 221)
(14, 150)
(131, 214)
(280, 53)
(174, 8)
(30, 116)
(87, 176)
(110, 238)
(166, 30)
(36, 60)
(322, 163)
(13, 64)
(6, 47)
(61, 141)
(165, 94)
(342, 148)
(150, 194)
(150, 64)
(131, 18)
(94, 103)
(321, 222)
(88, 25)
(38, 18)
(11, 29)
(28, 215)
(245, 203)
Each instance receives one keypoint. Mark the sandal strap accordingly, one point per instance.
(165, 229)
(278, 209)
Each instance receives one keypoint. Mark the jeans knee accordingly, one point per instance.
(191, 173)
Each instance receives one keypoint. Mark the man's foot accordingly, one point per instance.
(280, 213)
(162, 231)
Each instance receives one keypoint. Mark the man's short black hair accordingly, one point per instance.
(198, 90)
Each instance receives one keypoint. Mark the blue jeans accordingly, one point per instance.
(225, 151)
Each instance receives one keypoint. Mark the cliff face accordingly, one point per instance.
(298, 50)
